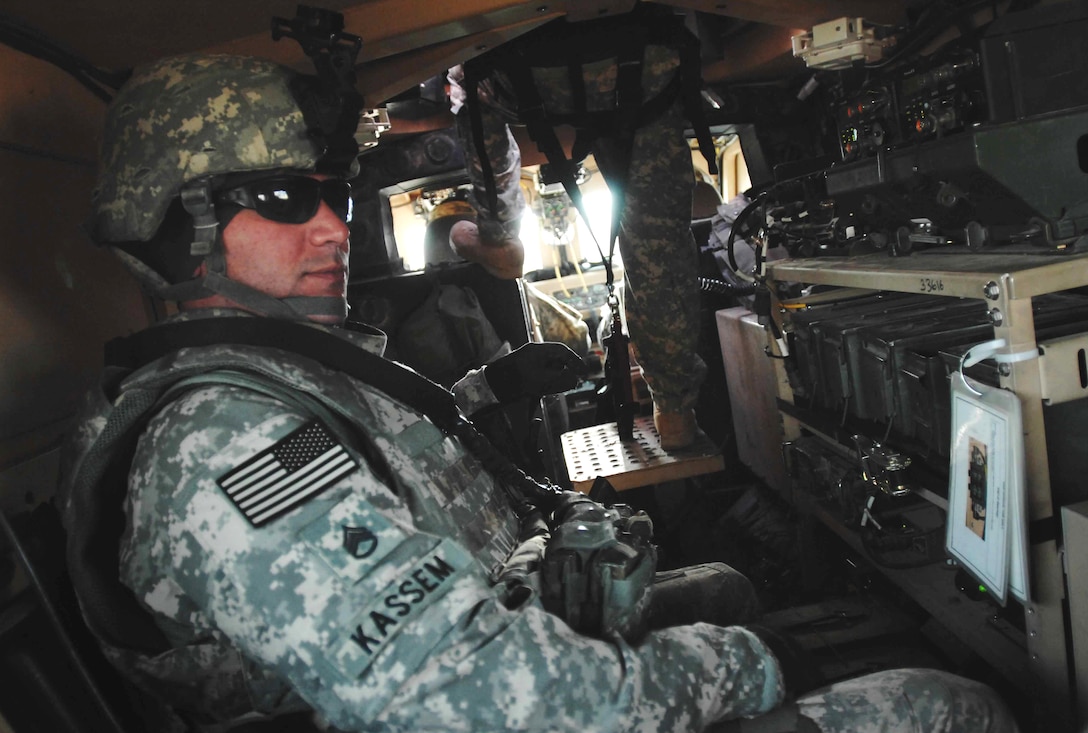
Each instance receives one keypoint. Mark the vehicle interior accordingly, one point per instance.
(893, 311)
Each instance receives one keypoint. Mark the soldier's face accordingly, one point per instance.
(286, 260)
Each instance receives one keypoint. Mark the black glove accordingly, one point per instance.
(534, 370)
(800, 670)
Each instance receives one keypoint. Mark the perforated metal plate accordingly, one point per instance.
(598, 451)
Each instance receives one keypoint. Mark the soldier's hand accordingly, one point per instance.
(502, 257)
(534, 370)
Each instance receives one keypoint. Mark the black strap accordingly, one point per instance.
(691, 78)
(628, 111)
(631, 112)
(398, 381)
(472, 101)
(112, 610)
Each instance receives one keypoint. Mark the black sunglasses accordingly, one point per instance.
(291, 199)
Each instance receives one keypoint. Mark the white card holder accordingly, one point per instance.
(987, 513)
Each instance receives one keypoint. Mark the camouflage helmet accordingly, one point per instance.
(183, 126)
(193, 117)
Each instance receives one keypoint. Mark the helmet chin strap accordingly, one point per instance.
(292, 308)
(208, 241)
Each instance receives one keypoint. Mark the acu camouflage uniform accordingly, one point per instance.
(398, 608)
(380, 600)
(381, 607)
(660, 258)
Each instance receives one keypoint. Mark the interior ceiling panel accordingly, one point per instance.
(404, 41)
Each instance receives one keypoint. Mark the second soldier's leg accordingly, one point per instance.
(660, 260)
(892, 701)
(907, 701)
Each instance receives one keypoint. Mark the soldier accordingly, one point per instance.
(292, 540)
(640, 147)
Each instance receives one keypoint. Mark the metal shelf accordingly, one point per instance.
(973, 622)
(1007, 283)
(834, 438)
(953, 275)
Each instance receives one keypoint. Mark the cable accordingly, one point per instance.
(737, 224)
(22, 37)
(721, 287)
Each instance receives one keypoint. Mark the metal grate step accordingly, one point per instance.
(598, 451)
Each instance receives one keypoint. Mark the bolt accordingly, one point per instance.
(996, 317)
(1004, 369)
(542, 8)
(1035, 657)
(991, 290)
(1031, 611)
(1034, 632)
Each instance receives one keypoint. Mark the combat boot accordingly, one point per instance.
(675, 430)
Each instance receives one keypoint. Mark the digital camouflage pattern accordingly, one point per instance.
(907, 701)
(186, 118)
(396, 598)
(279, 619)
(378, 610)
(497, 110)
(659, 255)
(557, 321)
(473, 393)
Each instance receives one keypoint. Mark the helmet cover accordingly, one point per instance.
(194, 117)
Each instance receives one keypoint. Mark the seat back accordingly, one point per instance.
(387, 302)
(55, 675)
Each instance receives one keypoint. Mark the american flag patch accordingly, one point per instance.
(294, 470)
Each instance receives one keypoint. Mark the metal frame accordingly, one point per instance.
(1062, 361)
(1075, 531)
(1007, 283)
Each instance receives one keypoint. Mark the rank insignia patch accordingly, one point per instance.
(297, 468)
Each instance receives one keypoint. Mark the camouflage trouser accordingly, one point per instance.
(660, 258)
(892, 701)
(659, 255)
